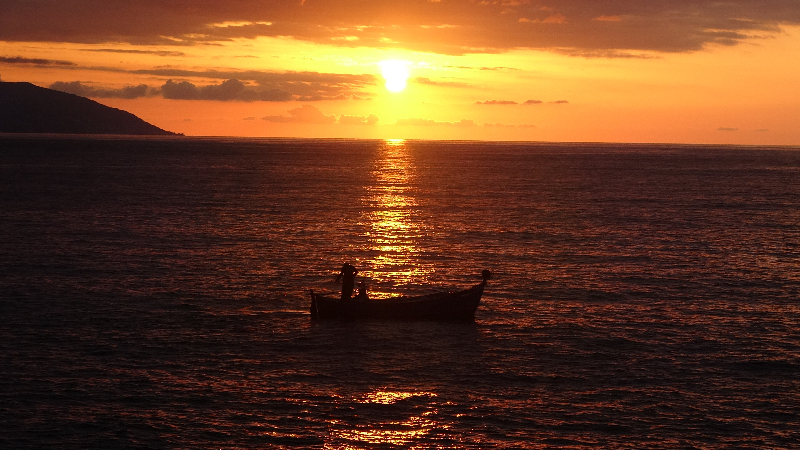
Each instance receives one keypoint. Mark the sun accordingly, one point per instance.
(395, 73)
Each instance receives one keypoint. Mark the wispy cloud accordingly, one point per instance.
(304, 114)
(482, 68)
(372, 119)
(554, 18)
(605, 18)
(605, 53)
(496, 102)
(526, 102)
(34, 61)
(413, 121)
(442, 83)
(136, 52)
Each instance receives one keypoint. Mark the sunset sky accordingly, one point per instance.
(552, 70)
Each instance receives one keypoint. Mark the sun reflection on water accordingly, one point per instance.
(394, 228)
(389, 397)
(378, 430)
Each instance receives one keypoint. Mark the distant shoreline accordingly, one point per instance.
(27, 108)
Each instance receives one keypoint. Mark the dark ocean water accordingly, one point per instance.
(153, 294)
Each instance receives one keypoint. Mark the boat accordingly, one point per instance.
(443, 306)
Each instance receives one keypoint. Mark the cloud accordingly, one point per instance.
(451, 27)
(372, 119)
(727, 129)
(497, 68)
(77, 88)
(228, 90)
(36, 61)
(555, 18)
(479, 68)
(303, 114)
(428, 81)
(511, 102)
(497, 102)
(431, 123)
(604, 18)
(611, 54)
(260, 86)
(302, 86)
(136, 52)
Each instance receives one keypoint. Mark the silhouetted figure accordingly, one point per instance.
(348, 277)
(362, 291)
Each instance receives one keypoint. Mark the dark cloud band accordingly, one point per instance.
(619, 28)
(264, 86)
(34, 61)
(78, 88)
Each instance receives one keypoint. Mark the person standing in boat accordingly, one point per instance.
(348, 277)
(362, 291)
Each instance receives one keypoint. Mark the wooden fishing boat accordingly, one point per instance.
(458, 305)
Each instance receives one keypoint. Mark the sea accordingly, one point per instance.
(154, 294)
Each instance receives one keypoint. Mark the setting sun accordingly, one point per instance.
(395, 73)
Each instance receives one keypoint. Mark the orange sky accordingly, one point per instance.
(569, 70)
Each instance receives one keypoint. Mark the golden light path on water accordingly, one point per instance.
(393, 263)
(389, 206)
(402, 432)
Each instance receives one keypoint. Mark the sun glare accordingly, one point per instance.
(395, 73)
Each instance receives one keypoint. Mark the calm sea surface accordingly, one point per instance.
(154, 294)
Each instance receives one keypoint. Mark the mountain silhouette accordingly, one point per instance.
(26, 108)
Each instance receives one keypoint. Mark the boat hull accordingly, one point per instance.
(455, 306)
